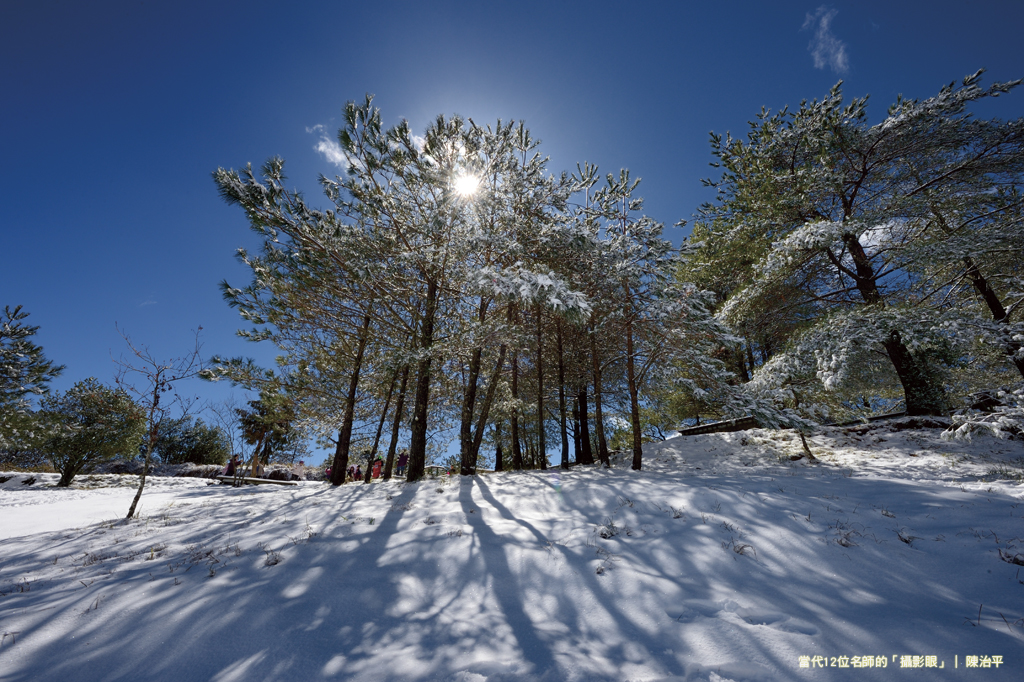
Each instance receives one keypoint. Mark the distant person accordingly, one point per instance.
(403, 461)
(377, 464)
(232, 465)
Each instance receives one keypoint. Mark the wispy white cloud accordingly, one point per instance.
(145, 303)
(327, 147)
(825, 48)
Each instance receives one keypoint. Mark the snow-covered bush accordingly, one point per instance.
(1001, 420)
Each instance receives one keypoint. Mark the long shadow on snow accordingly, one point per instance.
(229, 630)
(239, 629)
(597, 627)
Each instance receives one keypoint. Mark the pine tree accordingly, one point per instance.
(24, 372)
(403, 256)
(847, 222)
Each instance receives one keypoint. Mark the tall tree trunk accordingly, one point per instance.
(467, 460)
(517, 448)
(995, 306)
(485, 408)
(634, 402)
(466, 450)
(418, 437)
(368, 473)
(577, 450)
(498, 454)
(750, 358)
(923, 391)
(741, 364)
(987, 293)
(586, 452)
(561, 398)
(340, 463)
(540, 393)
(602, 443)
(380, 424)
(397, 425)
(340, 460)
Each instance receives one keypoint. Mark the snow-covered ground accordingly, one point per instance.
(889, 559)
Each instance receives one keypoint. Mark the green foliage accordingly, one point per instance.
(24, 372)
(834, 243)
(90, 423)
(268, 424)
(186, 440)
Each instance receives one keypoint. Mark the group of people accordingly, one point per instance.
(355, 471)
(235, 465)
(297, 473)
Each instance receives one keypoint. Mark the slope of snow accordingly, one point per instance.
(722, 560)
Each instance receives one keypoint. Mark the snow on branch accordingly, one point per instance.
(520, 284)
(1005, 418)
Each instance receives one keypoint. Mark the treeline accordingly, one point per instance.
(455, 278)
(136, 422)
(455, 286)
(844, 269)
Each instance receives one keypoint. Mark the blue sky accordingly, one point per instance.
(114, 115)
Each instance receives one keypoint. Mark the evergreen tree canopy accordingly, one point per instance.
(191, 440)
(24, 372)
(839, 242)
(89, 424)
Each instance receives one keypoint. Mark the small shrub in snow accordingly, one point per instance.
(843, 539)
(906, 539)
(1004, 419)
(744, 549)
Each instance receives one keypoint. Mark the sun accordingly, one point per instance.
(466, 185)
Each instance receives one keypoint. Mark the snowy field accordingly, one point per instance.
(890, 559)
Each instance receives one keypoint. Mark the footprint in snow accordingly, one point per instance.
(694, 609)
(777, 621)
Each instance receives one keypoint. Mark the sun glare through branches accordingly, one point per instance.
(466, 185)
